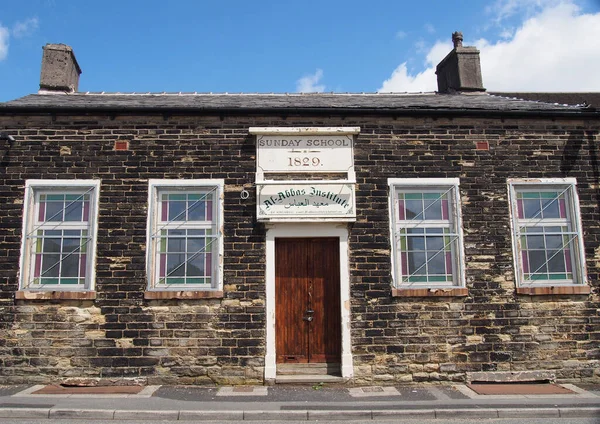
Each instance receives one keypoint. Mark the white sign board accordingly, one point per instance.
(304, 153)
(306, 200)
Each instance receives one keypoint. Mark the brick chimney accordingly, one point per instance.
(460, 70)
(60, 71)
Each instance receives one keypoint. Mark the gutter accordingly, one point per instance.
(416, 112)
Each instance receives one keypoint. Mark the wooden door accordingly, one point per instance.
(307, 297)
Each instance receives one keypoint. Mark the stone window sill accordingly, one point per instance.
(441, 292)
(581, 289)
(172, 294)
(51, 295)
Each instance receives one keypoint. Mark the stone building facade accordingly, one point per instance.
(170, 238)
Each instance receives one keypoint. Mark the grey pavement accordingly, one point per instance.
(298, 403)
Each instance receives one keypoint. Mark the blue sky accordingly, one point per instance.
(279, 46)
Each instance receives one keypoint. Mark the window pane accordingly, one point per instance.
(416, 264)
(535, 242)
(73, 211)
(197, 210)
(433, 209)
(537, 261)
(70, 266)
(532, 208)
(176, 245)
(436, 263)
(416, 242)
(177, 210)
(554, 242)
(175, 265)
(50, 265)
(51, 245)
(54, 211)
(71, 244)
(550, 208)
(414, 209)
(435, 243)
(556, 263)
(195, 265)
(195, 244)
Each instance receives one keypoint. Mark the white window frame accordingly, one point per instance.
(568, 186)
(33, 189)
(155, 187)
(455, 224)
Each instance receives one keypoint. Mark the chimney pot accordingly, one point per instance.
(457, 39)
(460, 70)
(60, 70)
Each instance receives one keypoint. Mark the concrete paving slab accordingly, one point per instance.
(11, 390)
(46, 391)
(573, 393)
(55, 389)
(519, 389)
(580, 391)
(373, 391)
(29, 390)
(243, 391)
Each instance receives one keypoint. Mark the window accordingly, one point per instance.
(59, 235)
(184, 237)
(547, 242)
(426, 233)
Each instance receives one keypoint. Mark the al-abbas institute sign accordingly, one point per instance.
(305, 200)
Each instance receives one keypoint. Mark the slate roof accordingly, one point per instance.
(592, 99)
(398, 103)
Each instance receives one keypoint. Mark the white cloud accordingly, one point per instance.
(25, 28)
(401, 34)
(4, 35)
(504, 9)
(310, 83)
(429, 28)
(402, 80)
(556, 49)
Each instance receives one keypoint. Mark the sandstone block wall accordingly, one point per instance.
(120, 336)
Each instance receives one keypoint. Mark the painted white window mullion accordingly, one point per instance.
(169, 270)
(406, 228)
(529, 232)
(43, 269)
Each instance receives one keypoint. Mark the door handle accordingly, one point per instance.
(310, 311)
(309, 319)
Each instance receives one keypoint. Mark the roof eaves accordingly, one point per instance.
(325, 110)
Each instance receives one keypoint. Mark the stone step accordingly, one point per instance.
(309, 369)
(309, 379)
